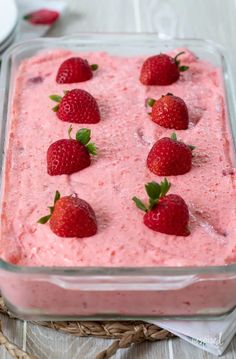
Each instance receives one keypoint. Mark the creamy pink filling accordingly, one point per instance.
(124, 137)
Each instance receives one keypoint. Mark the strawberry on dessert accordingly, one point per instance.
(169, 111)
(170, 157)
(71, 216)
(165, 213)
(75, 69)
(161, 70)
(76, 106)
(42, 17)
(70, 155)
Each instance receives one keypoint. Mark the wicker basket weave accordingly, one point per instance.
(125, 333)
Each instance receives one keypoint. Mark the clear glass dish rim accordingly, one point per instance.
(104, 271)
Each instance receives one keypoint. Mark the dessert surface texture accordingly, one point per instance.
(124, 136)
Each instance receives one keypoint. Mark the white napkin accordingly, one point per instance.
(211, 335)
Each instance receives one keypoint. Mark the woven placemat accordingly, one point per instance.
(125, 333)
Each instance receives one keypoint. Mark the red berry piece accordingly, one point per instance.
(165, 213)
(75, 69)
(161, 70)
(71, 216)
(169, 157)
(169, 111)
(76, 106)
(70, 155)
(42, 17)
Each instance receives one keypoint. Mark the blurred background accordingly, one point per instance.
(207, 19)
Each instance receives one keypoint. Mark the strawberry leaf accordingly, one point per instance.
(69, 132)
(94, 67)
(183, 68)
(83, 136)
(165, 186)
(57, 197)
(173, 136)
(192, 147)
(55, 108)
(55, 98)
(153, 190)
(44, 219)
(139, 204)
(92, 149)
(150, 102)
(27, 16)
(51, 208)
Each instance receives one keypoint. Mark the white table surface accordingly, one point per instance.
(212, 19)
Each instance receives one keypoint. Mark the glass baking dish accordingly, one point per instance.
(111, 293)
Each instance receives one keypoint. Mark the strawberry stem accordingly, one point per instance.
(94, 67)
(179, 54)
(181, 68)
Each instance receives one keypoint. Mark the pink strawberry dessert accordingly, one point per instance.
(124, 136)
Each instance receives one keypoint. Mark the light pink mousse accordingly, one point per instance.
(124, 137)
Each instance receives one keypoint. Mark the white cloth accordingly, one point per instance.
(211, 335)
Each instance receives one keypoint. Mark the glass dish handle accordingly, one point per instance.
(124, 283)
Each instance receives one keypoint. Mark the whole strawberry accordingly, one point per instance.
(76, 106)
(42, 17)
(169, 111)
(70, 155)
(71, 216)
(75, 69)
(165, 213)
(169, 157)
(161, 70)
